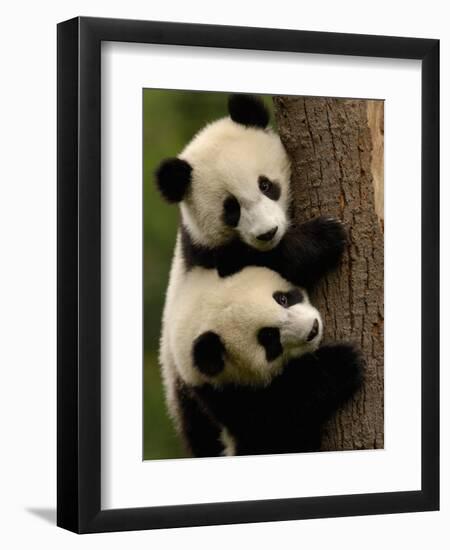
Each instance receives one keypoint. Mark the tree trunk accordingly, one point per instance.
(337, 170)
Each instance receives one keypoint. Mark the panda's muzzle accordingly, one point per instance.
(314, 331)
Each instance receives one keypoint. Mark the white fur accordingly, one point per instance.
(227, 159)
(228, 442)
(236, 308)
(166, 357)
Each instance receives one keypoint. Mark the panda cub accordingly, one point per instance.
(244, 367)
(232, 182)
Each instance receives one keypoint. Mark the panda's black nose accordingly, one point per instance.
(269, 235)
(314, 331)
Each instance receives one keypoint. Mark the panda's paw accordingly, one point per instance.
(332, 233)
(345, 360)
(311, 250)
(328, 240)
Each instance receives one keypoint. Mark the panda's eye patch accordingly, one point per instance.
(269, 188)
(288, 299)
(231, 211)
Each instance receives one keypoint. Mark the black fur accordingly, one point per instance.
(201, 433)
(231, 211)
(248, 110)
(287, 416)
(173, 177)
(270, 188)
(208, 351)
(196, 255)
(306, 253)
(269, 338)
(314, 247)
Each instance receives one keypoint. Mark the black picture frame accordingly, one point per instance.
(79, 280)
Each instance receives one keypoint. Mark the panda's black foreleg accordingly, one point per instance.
(311, 250)
(287, 415)
(229, 405)
(265, 420)
(244, 412)
(306, 253)
(201, 434)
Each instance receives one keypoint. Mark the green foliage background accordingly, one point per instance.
(170, 120)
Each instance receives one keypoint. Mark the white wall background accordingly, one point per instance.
(28, 271)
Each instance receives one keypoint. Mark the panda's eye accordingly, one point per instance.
(269, 188)
(265, 184)
(281, 298)
(288, 299)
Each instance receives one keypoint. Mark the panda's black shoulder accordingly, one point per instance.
(194, 254)
(228, 259)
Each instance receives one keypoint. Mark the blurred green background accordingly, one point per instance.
(171, 119)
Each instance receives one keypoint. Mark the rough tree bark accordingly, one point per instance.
(337, 170)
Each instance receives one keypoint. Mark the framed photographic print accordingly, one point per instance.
(239, 209)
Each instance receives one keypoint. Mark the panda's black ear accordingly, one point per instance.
(208, 352)
(248, 110)
(173, 177)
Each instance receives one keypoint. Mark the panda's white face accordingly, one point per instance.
(267, 322)
(259, 321)
(239, 186)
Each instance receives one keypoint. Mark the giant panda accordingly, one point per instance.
(244, 369)
(232, 182)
